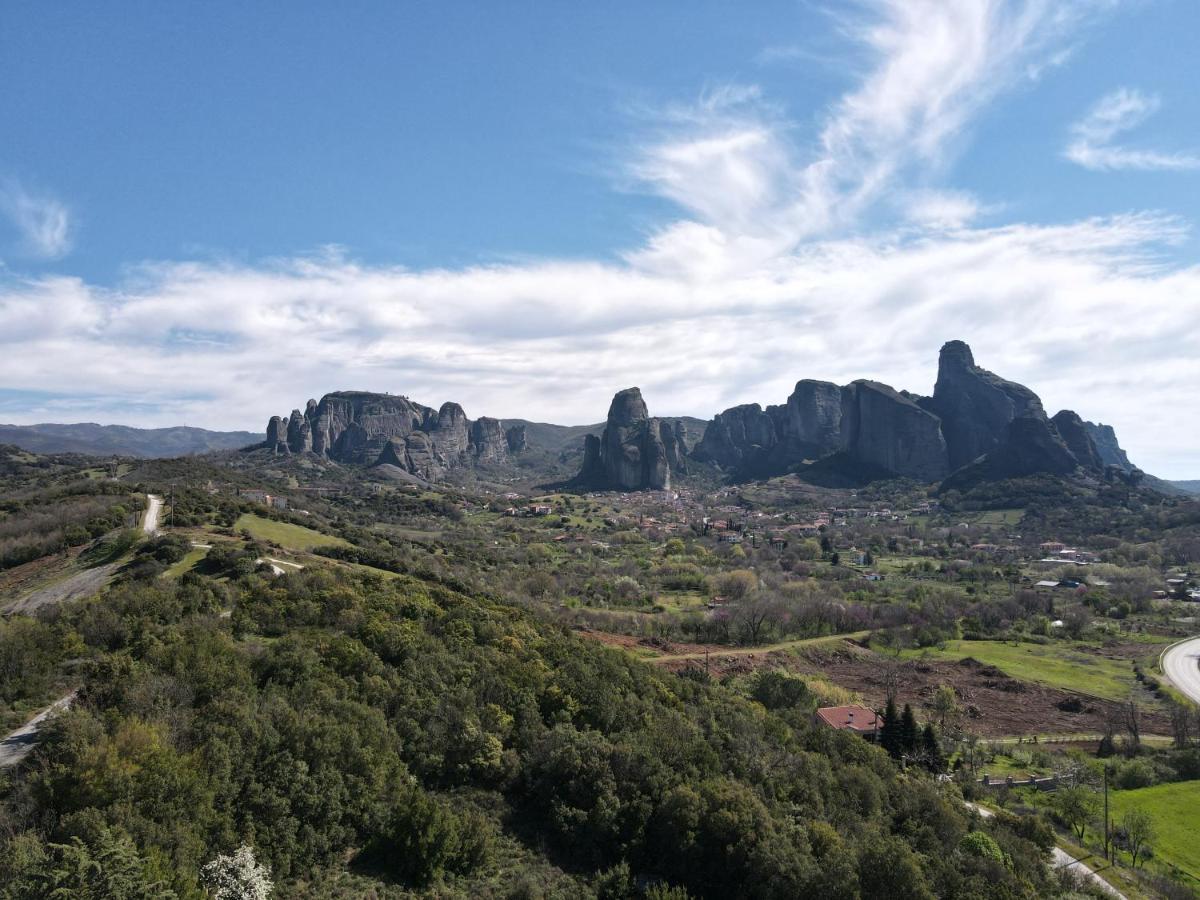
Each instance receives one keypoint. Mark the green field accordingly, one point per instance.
(1175, 809)
(998, 517)
(187, 563)
(293, 537)
(1053, 664)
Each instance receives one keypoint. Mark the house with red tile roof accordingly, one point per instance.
(854, 718)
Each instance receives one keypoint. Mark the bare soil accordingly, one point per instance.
(996, 704)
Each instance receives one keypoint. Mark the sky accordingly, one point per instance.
(211, 212)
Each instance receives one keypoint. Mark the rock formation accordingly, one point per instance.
(869, 422)
(363, 428)
(1107, 446)
(973, 416)
(882, 428)
(1074, 432)
(975, 405)
(635, 452)
(516, 438)
(277, 434)
(488, 441)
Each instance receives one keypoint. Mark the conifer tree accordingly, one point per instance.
(910, 734)
(889, 735)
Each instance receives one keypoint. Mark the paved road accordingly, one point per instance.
(153, 510)
(1181, 664)
(1064, 860)
(21, 742)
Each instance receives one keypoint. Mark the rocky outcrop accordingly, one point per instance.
(975, 405)
(882, 428)
(517, 439)
(489, 443)
(299, 432)
(635, 451)
(277, 434)
(1074, 432)
(1031, 446)
(363, 428)
(738, 438)
(973, 416)
(1107, 446)
(869, 422)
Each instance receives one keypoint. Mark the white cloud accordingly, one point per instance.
(731, 160)
(43, 222)
(1084, 313)
(1092, 146)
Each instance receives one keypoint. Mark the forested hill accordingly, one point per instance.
(372, 734)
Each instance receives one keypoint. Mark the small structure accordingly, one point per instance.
(858, 719)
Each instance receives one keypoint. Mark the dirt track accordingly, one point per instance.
(81, 584)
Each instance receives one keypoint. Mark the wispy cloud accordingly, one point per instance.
(930, 66)
(1092, 137)
(43, 222)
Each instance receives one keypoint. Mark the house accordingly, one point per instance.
(873, 576)
(854, 718)
(539, 509)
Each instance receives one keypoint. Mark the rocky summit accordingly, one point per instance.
(975, 425)
(364, 428)
(635, 451)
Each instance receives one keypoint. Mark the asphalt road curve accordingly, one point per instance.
(1181, 664)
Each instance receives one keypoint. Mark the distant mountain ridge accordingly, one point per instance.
(91, 439)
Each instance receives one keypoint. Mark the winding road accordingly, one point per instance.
(20, 743)
(1181, 664)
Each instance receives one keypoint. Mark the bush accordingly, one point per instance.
(981, 845)
(424, 839)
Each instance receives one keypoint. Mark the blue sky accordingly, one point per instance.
(210, 213)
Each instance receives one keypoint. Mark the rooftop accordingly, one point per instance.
(854, 718)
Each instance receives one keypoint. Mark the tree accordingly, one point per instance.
(945, 705)
(889, 735)
(1078, 807)
(237, 877)
(1139, 832)
(931, 750)
(910, 732)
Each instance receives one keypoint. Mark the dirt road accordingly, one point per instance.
(21, 742)
(1181, 664)
(153, 510)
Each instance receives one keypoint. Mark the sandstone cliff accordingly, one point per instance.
(635, 451)
(363, 428)
(972, 417)
(975, 405)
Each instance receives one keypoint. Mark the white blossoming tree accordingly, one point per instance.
(237, 877)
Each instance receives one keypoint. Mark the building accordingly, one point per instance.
(854, 718)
